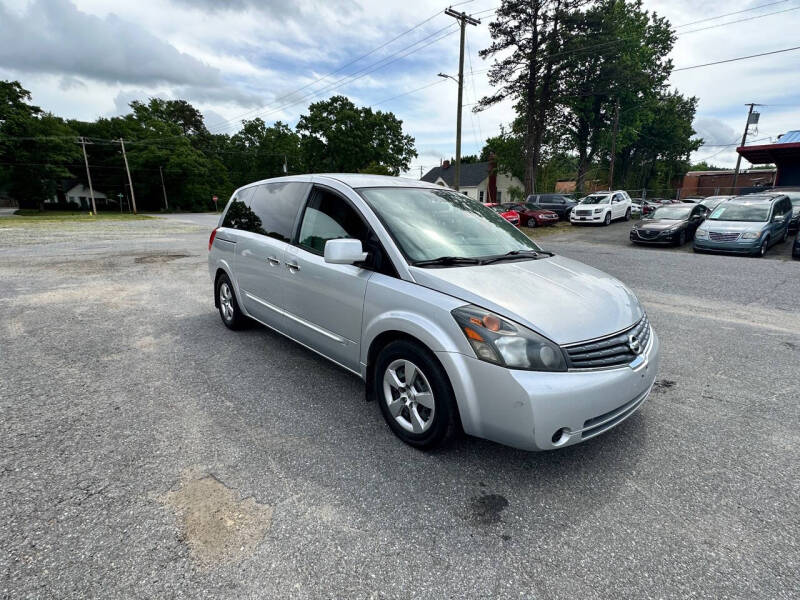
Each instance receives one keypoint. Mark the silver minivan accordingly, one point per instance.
(455, 319)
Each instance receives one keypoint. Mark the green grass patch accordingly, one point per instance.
(32, 217)
(540, 232)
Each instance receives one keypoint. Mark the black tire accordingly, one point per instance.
(607, 219)
(762, 250)
(531, 223)
(785, 236)
(445, 420)
(628, 215)
(233, 319)
(682, 238)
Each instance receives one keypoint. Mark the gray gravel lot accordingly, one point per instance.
(147, 451)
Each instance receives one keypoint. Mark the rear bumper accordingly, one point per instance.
(525, 409)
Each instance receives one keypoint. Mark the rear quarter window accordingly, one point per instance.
(276, 206)
(238, 215)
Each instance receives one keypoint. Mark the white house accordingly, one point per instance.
(79, 194)
(477, 181)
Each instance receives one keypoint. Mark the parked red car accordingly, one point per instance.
(533, 217)
(511, 216)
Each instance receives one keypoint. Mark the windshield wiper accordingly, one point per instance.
(446, 260)
(515, 254)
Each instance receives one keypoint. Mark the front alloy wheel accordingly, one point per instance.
(764, 247)
(608, 218)
(414, 394)
(408, 396)
(531, 222)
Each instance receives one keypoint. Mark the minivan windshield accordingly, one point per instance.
(744, 211)
(427, 224)
(597, 199)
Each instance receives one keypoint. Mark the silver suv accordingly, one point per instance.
(454, 318)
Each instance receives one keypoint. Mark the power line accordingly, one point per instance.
(777, 12)
(364, 71)
(729, 60)
(732, 13)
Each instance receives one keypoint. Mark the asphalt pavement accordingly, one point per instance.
(146, 451)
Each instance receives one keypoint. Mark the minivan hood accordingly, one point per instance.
(562, 299)
(733, 226)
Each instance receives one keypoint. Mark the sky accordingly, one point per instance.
(236, 59)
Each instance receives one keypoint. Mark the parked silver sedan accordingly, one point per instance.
(452, 317)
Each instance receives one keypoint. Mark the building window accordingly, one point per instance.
(498, 196)
(466, 192)
(480, 195)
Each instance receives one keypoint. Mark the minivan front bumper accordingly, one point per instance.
(534, 410)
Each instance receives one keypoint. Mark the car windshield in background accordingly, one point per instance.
(598, 199)
(741, 211)
(498, 209)
(674, 213)
(427, 224)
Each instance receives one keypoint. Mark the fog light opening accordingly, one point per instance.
(561, 436)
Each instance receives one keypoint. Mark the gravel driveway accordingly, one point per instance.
(146, 451)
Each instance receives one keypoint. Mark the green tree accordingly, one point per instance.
(36, 147)
(258, 152)
(527, 41)
(616, 63)
(336, 135)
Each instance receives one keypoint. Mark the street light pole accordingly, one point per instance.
(82, 142)
(130, 181)
(744, 140)
(164, 188)
(463, 19)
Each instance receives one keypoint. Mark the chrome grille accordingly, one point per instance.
(583, 213)
(647, 234)
(611, 351)
(723, 237)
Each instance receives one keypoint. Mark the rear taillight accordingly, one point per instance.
(211, 239)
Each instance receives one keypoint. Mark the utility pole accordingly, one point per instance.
(130, 181)
(613, 146)
(164, 188)
(463, 19)
(82, 141)
(751, 118)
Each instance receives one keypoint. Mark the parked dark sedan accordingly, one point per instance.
(558, 203)
(669, 224)
(532, 216)
(796, 247)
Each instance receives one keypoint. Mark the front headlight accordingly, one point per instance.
(598, 210)
(701, 233)
(499, 341)
(751, 235)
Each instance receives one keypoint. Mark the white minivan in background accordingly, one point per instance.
(454, 318)
(602, 207)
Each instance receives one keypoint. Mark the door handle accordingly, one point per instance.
(273, 261)
(292, 266)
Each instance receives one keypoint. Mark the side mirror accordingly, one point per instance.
(777, 219)
(344, 251)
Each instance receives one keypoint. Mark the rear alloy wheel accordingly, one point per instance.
(414, 395)
(608, 218)
(229, 309)
(531, 223)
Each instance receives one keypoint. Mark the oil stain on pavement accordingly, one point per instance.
(486, 509)
(215, 525)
